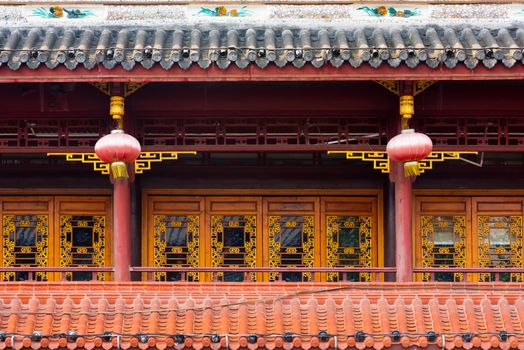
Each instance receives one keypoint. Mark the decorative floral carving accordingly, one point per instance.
(61, 12)
(222, 11)
(389, 11)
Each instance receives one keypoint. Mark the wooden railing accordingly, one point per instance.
(31, 271)
(495, 271)
(376, 272)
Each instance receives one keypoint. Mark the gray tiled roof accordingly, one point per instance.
(170, 48)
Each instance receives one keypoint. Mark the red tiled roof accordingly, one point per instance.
(268, 310)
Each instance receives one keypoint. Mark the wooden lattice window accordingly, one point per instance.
(349, 243)
(291, 244)
(443, 245)
(176, 243)
(25, 244)
(233, 244)
(500, 245)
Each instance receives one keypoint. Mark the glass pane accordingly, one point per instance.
(233, 244)
(176, 244)
(291, 244)
(443, 245)
(349, 243)
(25, 240)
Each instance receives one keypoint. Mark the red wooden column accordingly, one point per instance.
(120, 150)
(403, 195)
(403, 220)
(121, 230)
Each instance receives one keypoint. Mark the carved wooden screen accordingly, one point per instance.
(85, 234)
(350, 236)
(498, 228)
(235, 230)
(441, 236)
(291, 236)
(25, 236)
(176, 236)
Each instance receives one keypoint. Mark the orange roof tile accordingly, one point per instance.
(376, 315)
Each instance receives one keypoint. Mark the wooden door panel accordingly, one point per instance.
(498, 238)
(84, 229)
(174, 225)
(293, 232)
(27, 239)
(350, 236)
(235, 236)
(442, 232)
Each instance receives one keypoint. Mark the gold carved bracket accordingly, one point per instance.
(85, 158)
(421, 85)
(391, 85)
(394, 85)
(141, 164)
(379, 159)
(146, 158)
(130, 88)
(103, 87)
(381, 162)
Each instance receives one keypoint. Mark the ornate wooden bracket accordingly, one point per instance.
(394, 85)
(130, 88)
(421, 85)
(381, 162)
(141, 164)
(380, 159)
(146, 158)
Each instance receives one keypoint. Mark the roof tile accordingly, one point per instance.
(268, 310)
(182, 48)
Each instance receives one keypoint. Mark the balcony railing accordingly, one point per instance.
(317, 273)
(376, 272)
(31, 271)
(496, 273)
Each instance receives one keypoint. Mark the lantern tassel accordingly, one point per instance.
(119, 171)
(411, 169)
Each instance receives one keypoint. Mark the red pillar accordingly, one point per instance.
(121, 230)
(403, 199)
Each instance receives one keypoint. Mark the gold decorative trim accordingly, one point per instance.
(146, 158)
(380, 159)
(381, 162)
(421, 85)
(141, 164)
(394, 85)
(391, 85)
(86, 158)
(103, 87)
(131, 88)
(427, 164)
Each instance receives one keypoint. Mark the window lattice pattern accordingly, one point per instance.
(176, 243)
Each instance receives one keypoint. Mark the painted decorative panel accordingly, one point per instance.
(444, 245)
(82, 243)
(176, 243)
(233, 244)
(349, 243)
(500, 245)
(25, 244)
(291, 244)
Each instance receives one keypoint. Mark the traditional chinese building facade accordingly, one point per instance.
(262, 210)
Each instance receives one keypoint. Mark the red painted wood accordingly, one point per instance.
(121, 231)
(403, 199)
(254, 73)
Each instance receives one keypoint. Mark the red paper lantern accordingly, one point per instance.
(118, 148)
(409, 147)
